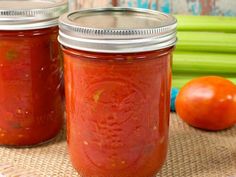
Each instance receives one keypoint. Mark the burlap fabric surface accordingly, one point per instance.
(192, 153)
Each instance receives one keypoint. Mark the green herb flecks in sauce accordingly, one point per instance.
(15, 125)
(11, 55)
(97, 95)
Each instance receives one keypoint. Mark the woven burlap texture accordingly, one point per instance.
(192, 153)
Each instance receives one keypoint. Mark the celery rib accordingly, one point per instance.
(179, 82)
(206, 41)
(207, 63)
(206, 23)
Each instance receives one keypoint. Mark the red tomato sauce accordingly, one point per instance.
(117, 111)
(31, 104)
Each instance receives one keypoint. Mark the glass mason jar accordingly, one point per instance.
(117, 64)
(31, 98)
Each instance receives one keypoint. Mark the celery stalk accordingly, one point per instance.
(189, 76)
(206, 41)
(206, 23)
(179, 82)
(206, 63)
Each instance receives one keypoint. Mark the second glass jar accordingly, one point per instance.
(31, 93)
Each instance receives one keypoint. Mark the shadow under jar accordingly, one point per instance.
(117, 64)
(31, 94)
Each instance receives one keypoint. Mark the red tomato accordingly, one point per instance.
(208, 103)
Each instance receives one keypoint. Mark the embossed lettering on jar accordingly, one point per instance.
(31, 94)
(117, 64)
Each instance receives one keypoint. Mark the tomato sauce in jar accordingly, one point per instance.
(117, 64)
(31, 98)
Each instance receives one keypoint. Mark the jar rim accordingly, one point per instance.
(117, 30)
(30, 14)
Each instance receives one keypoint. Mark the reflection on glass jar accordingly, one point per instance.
(117, 79)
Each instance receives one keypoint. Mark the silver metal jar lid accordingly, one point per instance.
(117, 30)
(30, 14)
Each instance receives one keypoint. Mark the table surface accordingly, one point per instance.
(192, 153)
